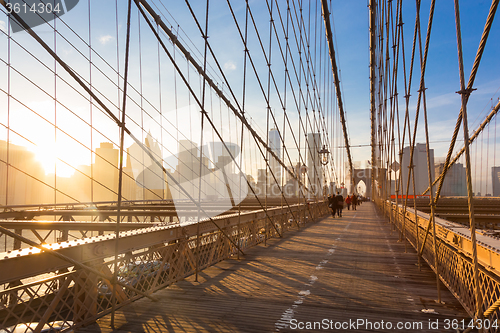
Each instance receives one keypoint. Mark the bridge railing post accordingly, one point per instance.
(17, 242)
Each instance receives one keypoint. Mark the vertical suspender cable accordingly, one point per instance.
(406, 122)
(9, 69)
(203, 112)
(372, 5)
(487, 160)
(423, 63)
(432, 215)
(246, 55)
(464, 93)
(91, 109)
(429, 162)
(268, 107)
(120, 174)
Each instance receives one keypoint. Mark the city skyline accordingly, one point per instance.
(98, 182)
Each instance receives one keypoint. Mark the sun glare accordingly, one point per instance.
(51, 161)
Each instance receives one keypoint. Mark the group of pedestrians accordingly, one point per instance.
(351, 201)
(336, 203)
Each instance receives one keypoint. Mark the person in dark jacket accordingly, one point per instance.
(332, 204)
(340, 204)
(354, 201)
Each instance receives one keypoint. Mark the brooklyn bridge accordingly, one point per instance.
(249, 166)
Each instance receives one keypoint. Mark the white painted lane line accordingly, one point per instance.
(287, 316)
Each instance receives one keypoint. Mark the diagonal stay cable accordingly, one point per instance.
(158, 20)
(246, 55)
(206, 78)
(309, 101)
(59, 159)
(266, 97)
(256, 136)
(287, 74)
(214, 86)
(116, 120)
(406, 121)
(298, 98)
(423, 63)
(464, 93)
(90, 101)
(326, 16)
(477, 60)
(79, 117)
(478, 131)
(305, 42)
(472, 77)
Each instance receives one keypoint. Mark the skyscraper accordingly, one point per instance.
(261, 182)
(314, 170)
(147, 171)
(22, 179)
(188, 170)
(274, 166)
(106, 173)
(495, 179)
(420, 168)
(455, 181)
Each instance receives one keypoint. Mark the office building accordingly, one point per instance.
(420, 168)
(495, 179)
(22, 177)
(105, 173)
(455, 181)
(274, 165)
(314, 166)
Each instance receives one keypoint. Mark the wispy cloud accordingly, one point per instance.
(3, 26)
(449, 99)
(230, 66)
(105, 39)
(67, 51)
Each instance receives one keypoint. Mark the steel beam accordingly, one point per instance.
(62, 225)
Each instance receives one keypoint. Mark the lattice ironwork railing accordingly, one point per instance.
(72, 297)
(455, 264)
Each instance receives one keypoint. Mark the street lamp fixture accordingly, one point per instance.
(324, 155)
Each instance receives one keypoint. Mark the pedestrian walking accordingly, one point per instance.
(340, 204)
(354, 201)
(332, 204)
(348, 202)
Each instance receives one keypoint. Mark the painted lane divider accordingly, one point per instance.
(288, 314)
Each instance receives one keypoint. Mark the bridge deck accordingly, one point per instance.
(337, 269)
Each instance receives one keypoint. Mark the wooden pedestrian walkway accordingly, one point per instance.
(339, 274)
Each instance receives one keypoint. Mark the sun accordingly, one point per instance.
(50, 157)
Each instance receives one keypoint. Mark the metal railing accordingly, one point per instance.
(454, 259)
